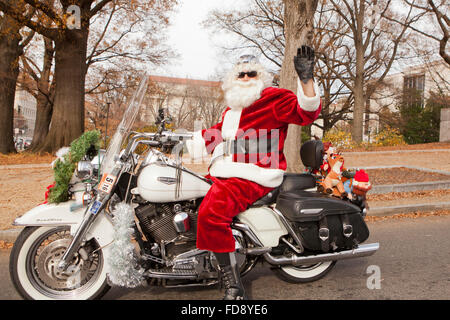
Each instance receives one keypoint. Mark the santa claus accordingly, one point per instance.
(247, 151)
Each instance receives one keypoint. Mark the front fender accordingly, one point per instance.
(51, 215)
(61, 215)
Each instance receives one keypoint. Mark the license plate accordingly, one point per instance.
(107, 183)
(95, 207)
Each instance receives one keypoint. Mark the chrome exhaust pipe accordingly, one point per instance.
(364, 250)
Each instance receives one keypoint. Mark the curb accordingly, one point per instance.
(404, 166)
(394, 151)
(389, 211)
(410, 187)
(11, 234)
(25, 166)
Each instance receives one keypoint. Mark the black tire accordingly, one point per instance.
(28, 282)
(304, 274)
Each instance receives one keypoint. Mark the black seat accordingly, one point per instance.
(311, 154)
(291, 182)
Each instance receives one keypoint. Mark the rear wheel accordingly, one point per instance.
(33, 266)
(304, 274)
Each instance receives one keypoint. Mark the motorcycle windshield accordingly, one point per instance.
(124, 128)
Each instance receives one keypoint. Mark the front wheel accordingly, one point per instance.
(304, 274)
(33, 266)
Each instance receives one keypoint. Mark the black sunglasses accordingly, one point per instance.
(250, 74)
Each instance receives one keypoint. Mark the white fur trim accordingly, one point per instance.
(308, 103)
(60, 155)
(230, 123)
(196, 147)
(225, 168)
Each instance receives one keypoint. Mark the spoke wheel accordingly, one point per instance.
(34, 260)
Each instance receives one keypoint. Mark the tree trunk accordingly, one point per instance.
(358, 108)
(67, 122)
(44, 99)
(44, 110)
(298, 26)
(10, 51)
(358, 90)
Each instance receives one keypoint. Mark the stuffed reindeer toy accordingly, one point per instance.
(332, 183)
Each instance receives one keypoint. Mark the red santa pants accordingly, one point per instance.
(226, 199)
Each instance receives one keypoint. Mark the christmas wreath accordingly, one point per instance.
(64, 167)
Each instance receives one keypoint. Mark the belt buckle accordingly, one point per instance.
(227, 150)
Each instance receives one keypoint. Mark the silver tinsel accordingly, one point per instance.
(124, 269)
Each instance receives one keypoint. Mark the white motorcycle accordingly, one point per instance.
(62, 252)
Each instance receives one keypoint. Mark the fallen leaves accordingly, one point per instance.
(411, 215)
(403, 175)
(5, 245)
(25, 158)
(411, 195)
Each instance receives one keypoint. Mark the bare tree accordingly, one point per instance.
(370, 50)
(71, 53)
(435, 18)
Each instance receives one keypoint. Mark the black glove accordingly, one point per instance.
(304, 63)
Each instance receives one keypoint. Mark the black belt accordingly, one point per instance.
(250, 146)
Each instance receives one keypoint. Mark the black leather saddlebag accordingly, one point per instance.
(324, 223)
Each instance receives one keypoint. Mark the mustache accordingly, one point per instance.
(245, 84)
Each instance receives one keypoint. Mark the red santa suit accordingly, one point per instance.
(241, 179)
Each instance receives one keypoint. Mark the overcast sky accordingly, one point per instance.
(199, 54)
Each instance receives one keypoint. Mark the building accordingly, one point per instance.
(25, 114)
(413, 85)
(186, 100)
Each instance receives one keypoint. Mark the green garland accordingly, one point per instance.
(63, 170)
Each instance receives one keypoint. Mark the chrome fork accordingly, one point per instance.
(77, 240)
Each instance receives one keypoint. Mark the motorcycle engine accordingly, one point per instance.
(172, 226)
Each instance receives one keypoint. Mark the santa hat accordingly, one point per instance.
(361, 176)
(247, 63)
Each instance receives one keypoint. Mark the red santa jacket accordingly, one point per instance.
(265, 120)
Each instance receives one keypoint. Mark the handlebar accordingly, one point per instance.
(155, 139)
(163, 136)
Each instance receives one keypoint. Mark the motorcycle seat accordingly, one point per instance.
(291, 182)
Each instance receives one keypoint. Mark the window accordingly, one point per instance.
(413, 89)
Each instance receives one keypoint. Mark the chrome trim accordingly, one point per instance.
(291, 245)
(249, 232)
(289, 229)
(256, 251)
(362, 251)
(311, 211)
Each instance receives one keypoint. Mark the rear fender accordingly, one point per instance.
(265, 224)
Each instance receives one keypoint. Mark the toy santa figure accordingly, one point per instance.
(359, 185)
(247, 151)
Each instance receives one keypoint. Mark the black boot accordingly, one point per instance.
(230, 276)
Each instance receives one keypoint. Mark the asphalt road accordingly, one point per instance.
(413, 263)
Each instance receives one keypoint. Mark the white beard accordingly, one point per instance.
(242, 94)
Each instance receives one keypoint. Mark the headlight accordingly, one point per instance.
(84, 170)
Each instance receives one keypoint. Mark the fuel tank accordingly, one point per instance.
(157, 183)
